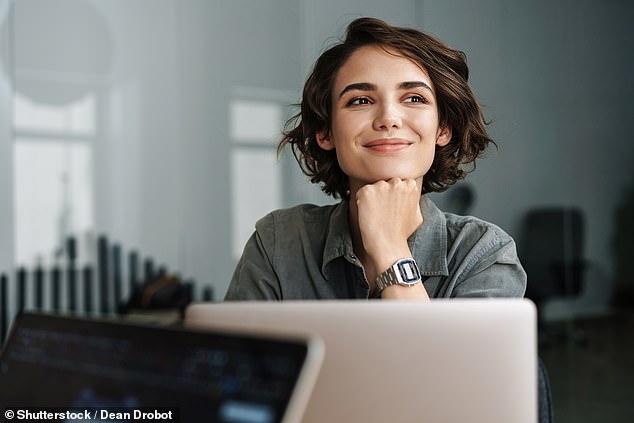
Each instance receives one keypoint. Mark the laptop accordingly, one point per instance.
(212, 375)
(458, 360)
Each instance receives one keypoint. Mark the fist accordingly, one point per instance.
(388, 213)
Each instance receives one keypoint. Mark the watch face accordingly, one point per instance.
(408, 271)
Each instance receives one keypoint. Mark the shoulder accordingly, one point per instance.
(295, 223)
(472, 235)
(296, 234)
(302, 215)
(474, 226)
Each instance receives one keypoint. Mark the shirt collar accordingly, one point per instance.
(428, 244)
(338, 239)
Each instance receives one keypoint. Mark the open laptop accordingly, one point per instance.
(458, 360)
(212, 376)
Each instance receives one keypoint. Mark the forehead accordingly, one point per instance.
(380, 66)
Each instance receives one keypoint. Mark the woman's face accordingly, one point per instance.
(384, 118)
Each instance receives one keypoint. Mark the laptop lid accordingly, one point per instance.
(213, 375)
(459, 360)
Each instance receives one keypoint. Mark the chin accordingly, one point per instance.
(400, 175)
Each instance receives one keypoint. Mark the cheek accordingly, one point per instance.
(427, 158)
(346, 126)
(426, 125)
(343, 160)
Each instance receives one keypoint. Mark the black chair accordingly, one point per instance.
(545, 403)
(552, 254)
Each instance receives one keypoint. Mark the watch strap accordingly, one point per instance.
(404, 272)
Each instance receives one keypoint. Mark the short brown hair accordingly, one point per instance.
(458, 108)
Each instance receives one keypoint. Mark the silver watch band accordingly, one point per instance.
(404, 272)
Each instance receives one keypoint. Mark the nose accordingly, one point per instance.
(387, 117)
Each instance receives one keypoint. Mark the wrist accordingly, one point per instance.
(403, 272)
(385, 258)
(397, 292)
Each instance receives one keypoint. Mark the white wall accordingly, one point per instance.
(223, 49)
(6, 150)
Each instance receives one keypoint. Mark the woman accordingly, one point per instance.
(386, 117)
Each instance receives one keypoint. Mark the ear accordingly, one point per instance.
(324, 140)
(444, 136)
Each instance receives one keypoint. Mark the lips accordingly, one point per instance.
(388, 145)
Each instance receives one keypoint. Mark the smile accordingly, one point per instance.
(390, 145)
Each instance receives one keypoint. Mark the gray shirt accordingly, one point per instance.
(305, 253)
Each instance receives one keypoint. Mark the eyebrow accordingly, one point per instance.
(366, 86)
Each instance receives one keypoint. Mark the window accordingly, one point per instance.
(256, 117)
(53, 175)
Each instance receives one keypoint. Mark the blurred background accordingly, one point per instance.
(150, 126)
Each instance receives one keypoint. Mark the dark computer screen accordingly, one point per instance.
(56, 361)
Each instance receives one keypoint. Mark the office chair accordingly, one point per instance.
(545, 402)
(552, 255)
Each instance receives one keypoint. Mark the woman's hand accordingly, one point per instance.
(388, 213)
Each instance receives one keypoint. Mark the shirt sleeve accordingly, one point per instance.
(254, 277)
(490, 269)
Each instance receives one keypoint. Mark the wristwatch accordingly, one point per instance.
(404, 272)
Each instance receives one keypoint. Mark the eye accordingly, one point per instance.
(357, 101)
(415, 99)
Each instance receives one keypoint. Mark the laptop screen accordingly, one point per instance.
(62, 362)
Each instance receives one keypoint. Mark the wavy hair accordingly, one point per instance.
(458, 108)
